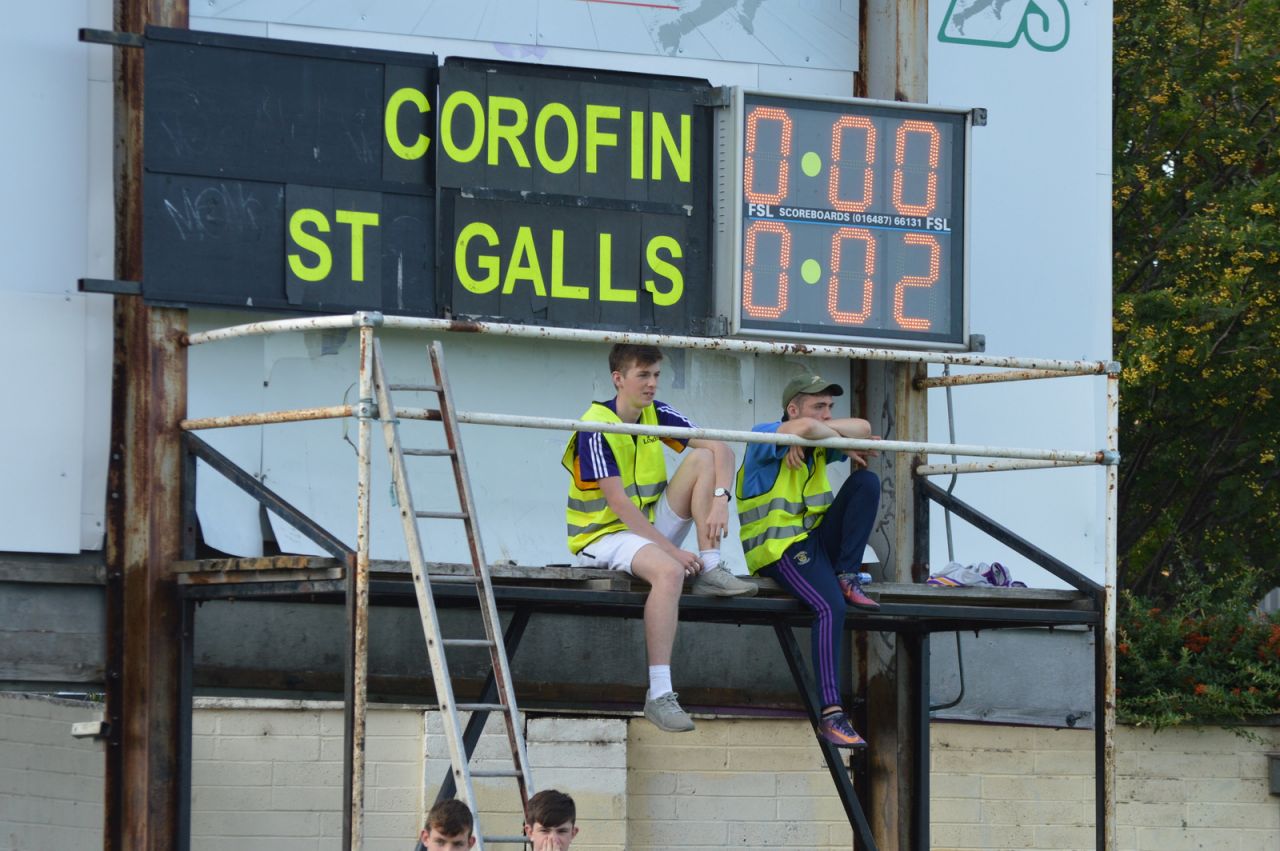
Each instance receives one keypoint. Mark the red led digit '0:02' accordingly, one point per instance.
(870, 243)
(767, 113)
(749, 269)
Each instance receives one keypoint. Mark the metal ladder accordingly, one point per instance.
(461, 771)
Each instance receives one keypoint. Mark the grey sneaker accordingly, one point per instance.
(666, 714)
(719, 582)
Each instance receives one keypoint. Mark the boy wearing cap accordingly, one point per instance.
(624, 514)
(795, 531)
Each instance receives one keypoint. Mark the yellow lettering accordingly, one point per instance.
(398, 99)
(595, 137)
(510, 133)
(637, 145)
(524, 264)
(471, 102)
(681, 157)
(559, 289)
(607, 292)
(308, 242)
(668, 270)
(487, 262)
(358, 221)
(556, 110)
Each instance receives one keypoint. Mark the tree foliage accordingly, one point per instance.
(1197, 286)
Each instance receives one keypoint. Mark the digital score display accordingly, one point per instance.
(848, 220)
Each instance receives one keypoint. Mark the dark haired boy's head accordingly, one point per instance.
(448, 827)
(551, 818)
(623, 356)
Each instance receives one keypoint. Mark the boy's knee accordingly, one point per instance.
(864, 479)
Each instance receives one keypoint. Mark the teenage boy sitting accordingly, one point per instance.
(796, 531)
(549, 823)
(624, 514)
(448, 828)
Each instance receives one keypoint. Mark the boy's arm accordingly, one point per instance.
(638, 523)
(812, 429)
(717, 524)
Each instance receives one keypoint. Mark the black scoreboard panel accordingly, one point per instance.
(574, 197)
(849, 222)
(288, 176)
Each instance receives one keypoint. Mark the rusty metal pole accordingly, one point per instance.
(1106, 805)
(893, 65)
(358, 586)
(144, 510)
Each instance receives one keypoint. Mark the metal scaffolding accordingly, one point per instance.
(1005, 458)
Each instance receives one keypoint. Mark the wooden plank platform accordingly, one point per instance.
(291, 568)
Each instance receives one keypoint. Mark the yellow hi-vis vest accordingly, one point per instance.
(643, 469)
(787, 512)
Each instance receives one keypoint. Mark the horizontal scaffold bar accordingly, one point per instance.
(722, 344)
(911, 446)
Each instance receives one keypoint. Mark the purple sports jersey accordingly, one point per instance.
(595, 458)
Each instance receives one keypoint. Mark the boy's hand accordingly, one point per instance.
(795, 457)
(718, 518)
(690, 562)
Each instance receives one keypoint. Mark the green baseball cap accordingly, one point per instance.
(810, 384)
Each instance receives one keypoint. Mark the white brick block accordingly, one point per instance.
(576, 730)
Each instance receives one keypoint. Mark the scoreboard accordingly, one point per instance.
(298, 177)
(843, 220)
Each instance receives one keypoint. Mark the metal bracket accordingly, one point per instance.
(720, 96)
(91, 729)
(106, 285)
(717, 326)
(1113, 367)
(978, 116)
(365, 409)
(977, 342)
(369, 319)
(1110, 458)
(118, 39)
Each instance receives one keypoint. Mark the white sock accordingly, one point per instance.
(659, 680)
(710, 559)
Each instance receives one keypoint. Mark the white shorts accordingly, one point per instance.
(616, 550)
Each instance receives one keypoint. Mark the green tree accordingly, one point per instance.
(1197, 281)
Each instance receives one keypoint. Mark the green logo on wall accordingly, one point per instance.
(1001, 23)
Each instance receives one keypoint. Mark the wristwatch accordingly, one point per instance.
(724, 492)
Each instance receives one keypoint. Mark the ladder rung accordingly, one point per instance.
(415, 388)
(495, 772)
(467, 642)
(442, 515)
(506, 840)
(428, 453)
(482, 707)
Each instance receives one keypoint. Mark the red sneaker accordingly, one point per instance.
(852, 590)
(836, 729)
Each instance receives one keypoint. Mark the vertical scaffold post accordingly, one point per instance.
(1106, 647)
(359, 614)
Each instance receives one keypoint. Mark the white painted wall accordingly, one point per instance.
(1040, 265)
(55, 227)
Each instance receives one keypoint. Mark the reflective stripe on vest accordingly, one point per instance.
(641, 465)
(791, 508)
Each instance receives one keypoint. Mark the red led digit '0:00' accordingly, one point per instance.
(839, 237)
(841, 139)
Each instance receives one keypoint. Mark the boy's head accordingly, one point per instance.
(635, 372)
(448, 827)
(809, 396)
(624, 356)
(550, 820)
